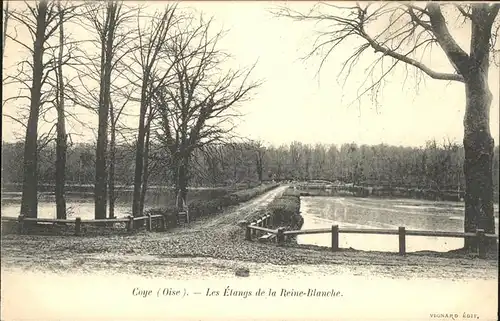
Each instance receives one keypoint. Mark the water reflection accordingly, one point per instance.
(80, 204)
(322, 212)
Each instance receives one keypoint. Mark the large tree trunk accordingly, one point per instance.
(61, 144)
(112, 157)
(139, 162)
(145, 177)
(100, 167)
(183, 180)
(100, 162)
(101, 179)
(29, 202)
(478, 143)
(478, 165)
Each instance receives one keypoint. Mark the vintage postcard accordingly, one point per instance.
(250, 160)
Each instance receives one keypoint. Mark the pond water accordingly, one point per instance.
(323, 212)
(81, 204)
(83, 209)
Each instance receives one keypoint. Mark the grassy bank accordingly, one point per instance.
(202, 202)
(156, 196)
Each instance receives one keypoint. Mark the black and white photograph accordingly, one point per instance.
(250, 160)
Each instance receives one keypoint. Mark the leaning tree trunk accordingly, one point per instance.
(29, 201)
(478, 164)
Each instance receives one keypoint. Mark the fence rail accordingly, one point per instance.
(262, 225)
(21, 221)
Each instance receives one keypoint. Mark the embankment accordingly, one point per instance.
(285, 211)
(307, 189)
(208, 207)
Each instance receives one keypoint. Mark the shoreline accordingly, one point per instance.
(221, 243)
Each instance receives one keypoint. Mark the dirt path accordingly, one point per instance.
(233, 214)
(206, 254)
(216, 246)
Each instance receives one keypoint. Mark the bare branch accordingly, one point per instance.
(456, 55)
(418, 32)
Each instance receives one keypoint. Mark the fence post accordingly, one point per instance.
(78, 226)
(335, 238)
(402, 240)
(261, 224)
(149, 222)
(20, 226)
(481, 243)
(281, 237)
(163, 222)
(254, 231)
(130, 223)
(248, 233)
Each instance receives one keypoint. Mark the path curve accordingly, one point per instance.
(233, 214)
(216, 245)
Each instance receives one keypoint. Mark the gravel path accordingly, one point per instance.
(216, 245)
(231, 215)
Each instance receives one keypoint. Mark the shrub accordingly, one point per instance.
(291, 192)
(228, 200)
(245, 195)
(285, 212)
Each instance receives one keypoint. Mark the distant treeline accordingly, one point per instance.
(435, 166)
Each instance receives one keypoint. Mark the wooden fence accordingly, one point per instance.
(261, 226)
(159, 220)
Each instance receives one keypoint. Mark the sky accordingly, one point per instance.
(296, 103)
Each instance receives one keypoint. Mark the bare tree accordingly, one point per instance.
(109, 22)
(61, 141)
(153, 41)
(260, 151)
(213, 161)
(42, 20)
(199, 105)
(411, 30)
(107, 41)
